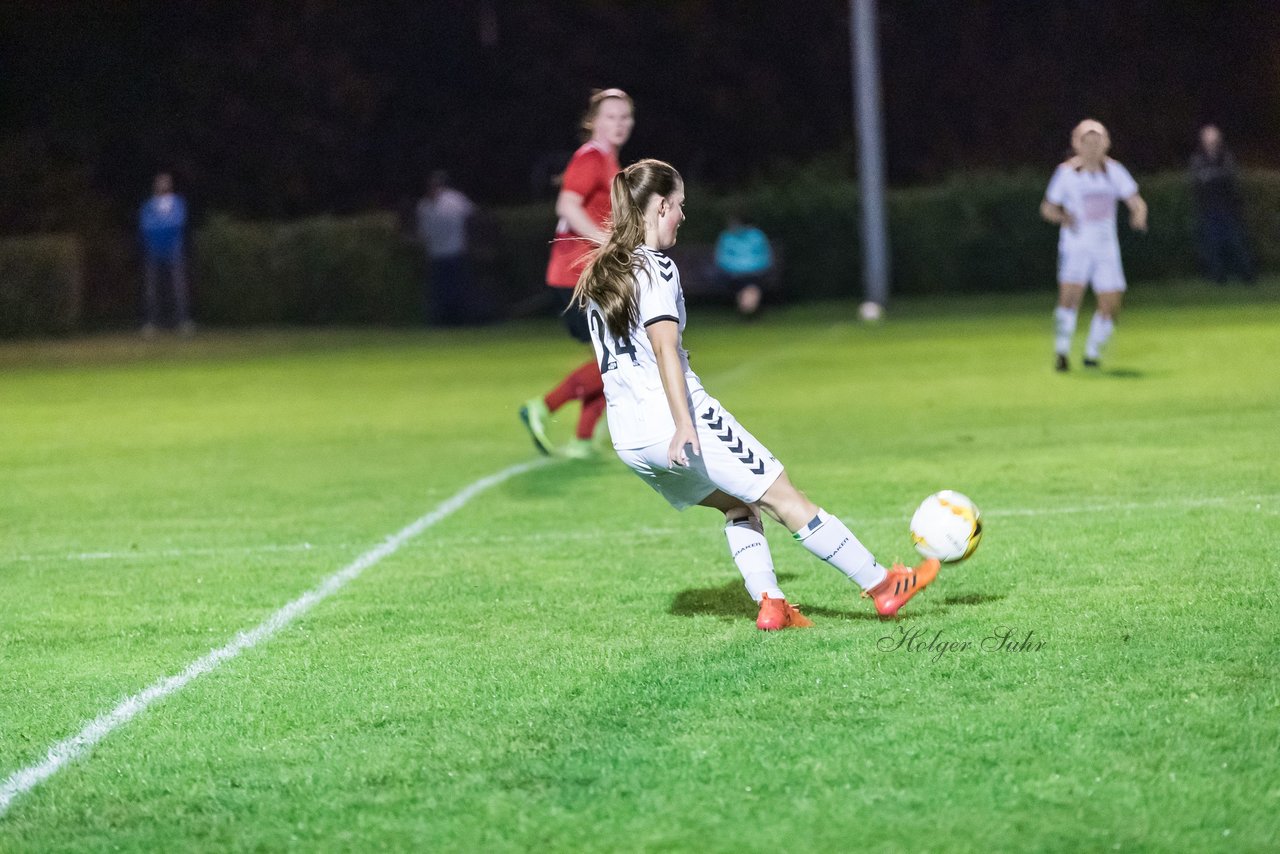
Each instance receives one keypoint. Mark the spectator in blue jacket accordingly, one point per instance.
(743, 259)
(162, 224)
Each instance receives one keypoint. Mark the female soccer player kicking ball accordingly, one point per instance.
(678, 438)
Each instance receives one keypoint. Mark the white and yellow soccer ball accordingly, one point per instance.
(946, 526)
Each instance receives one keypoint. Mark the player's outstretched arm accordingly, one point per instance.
(570, 208)
(1137, 212)
(1056, 214)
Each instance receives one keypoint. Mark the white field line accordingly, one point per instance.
(73, 748)
(163, 553)
(1268, 503)
(130, 554)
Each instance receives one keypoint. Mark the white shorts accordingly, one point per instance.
(732, 461)
(1096, 266)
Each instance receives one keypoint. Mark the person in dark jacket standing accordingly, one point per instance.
(1223, 248)
(162, 225)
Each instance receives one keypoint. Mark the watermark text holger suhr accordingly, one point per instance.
(936, 644)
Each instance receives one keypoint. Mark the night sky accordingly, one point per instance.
(288, 108)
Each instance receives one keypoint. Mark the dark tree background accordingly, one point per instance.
(271, 109)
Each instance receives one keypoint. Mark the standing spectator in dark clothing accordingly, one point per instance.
(442, 227)
(162, 224)
(1223, 249)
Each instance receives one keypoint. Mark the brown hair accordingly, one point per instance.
(598, 97)
(609, 277)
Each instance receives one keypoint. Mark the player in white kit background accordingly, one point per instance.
(678, 438)
(1081, 198)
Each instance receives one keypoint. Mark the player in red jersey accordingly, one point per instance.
(583, 208)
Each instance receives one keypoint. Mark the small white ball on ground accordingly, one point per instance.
(870, 312)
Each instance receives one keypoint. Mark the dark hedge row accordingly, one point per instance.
(41, 284)
(320, 270)
(976, 233)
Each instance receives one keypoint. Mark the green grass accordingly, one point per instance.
(567, 664)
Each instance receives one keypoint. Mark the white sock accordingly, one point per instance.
(1064, 327)
(1100, 329)
(829, 539)
(750, 552)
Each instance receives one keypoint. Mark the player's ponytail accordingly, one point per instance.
(609, 277)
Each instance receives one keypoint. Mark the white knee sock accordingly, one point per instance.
(1100, 329)
(829, 539)
(1064, 327)
(750, 552)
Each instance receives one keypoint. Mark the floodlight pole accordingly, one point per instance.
(866, 102)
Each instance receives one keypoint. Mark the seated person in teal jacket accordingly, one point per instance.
(743, 260)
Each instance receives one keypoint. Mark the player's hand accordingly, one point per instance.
(1068, 221)
(684, 441)
(1138, 222)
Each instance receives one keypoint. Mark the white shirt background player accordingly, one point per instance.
(1081, 198)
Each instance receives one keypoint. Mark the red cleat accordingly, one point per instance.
(779, 614)
(900, 584)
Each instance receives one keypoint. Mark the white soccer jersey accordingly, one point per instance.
(1090, 197)
(637, 406)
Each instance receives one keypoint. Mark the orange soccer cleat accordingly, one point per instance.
(779, 614)
(900, 584)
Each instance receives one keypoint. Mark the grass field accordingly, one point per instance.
(566, 664)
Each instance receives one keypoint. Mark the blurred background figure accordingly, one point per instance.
(1219, 230)
(162, 225)
(1081, 200)
(743, 260)
(583, 207)
(443, 214)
